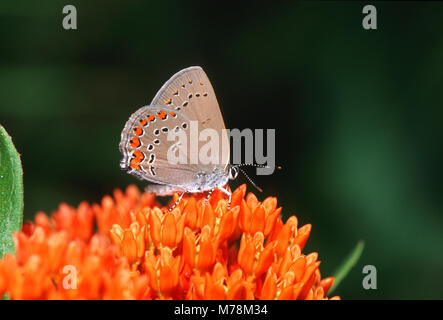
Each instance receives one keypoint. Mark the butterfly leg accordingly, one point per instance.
(208, 196)
(226, 192)
(177, 202)
(164, 190)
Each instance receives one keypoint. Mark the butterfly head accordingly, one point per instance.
(235, 169)
(233, 172)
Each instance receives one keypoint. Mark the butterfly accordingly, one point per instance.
(186, 98)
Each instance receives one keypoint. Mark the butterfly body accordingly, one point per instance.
(206, 181)
(203, 182)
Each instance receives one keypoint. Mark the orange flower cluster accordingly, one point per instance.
(199, 250)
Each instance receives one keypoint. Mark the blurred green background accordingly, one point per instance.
(358, 114)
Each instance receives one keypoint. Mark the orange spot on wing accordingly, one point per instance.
(138, 157)
(151, 117)
(162, 115)
(172, 114)
(138, 131)
(169, 101)
(143, 122)
(135, 142)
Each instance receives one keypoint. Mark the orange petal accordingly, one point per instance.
(308, 280)
(265, 260)
(189, 248)
(270, 203)
(246, 254)
(150, 267)
(238, 195)
(318, 293)
(219, 273)
(208, 216)
(213, 290)
(235, 277)
(197, 288)
(180, 228)
(270, 221)
(286, 293)
(206, 255)
(168, 272)
(303, 235)
(116, 234)
(252, 201)
(240, 291)
(57, 244)
(296, 289)
(190, 212)
(221, 207)
(311, 258)
(269, 288)
(327, 283)
(298, 268)
(43, 221)
(257, 223)
(169, 231)
(278, 226)
(129, 246)
(228, 222)
(244, 216)
(140, 240)
(141, 218)
(155, 228)
(288, 231)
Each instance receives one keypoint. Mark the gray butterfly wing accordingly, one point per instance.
(190, 92)
(144, 145)
(187, 98)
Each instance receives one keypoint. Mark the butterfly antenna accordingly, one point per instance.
(250, 180)
(257, 166)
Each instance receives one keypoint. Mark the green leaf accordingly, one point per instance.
(347, 265)
(11, 193)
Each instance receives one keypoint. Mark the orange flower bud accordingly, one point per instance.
(166, 229)
(163, 270)
(253, 258)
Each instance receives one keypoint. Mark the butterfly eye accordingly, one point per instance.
(233, 173)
